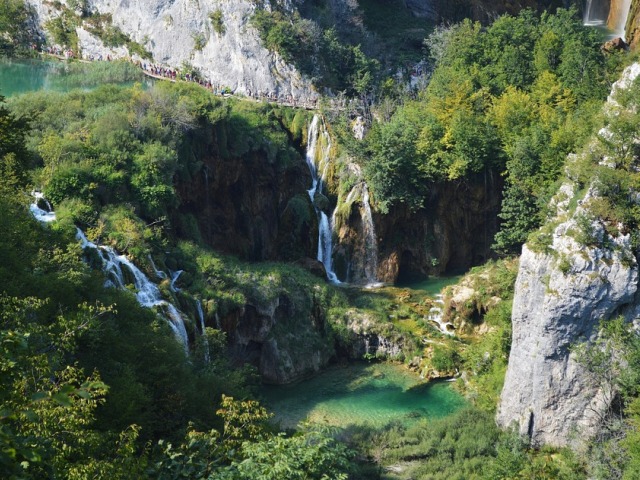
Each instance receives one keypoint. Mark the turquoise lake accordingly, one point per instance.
(361, 394)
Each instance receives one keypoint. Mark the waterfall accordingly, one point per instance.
(147, 293)
(360, 192)
(205, 342)
(371, 242)
(44, 216)
(595, 13)
(320, 163)
(612, 14)
(435, 315)
(618, 19)
(174, 278)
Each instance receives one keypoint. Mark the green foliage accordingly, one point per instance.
(199, 41)
(62, 29)
(217, 22)
(13, 16)
(512, 97)
(320, 54)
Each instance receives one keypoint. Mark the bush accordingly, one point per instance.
(217, 22)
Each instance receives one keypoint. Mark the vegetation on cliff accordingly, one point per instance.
(93, 384)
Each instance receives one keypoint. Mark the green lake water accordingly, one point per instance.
(373, 394)
(432, 285)
(18, 76)
(22, 76)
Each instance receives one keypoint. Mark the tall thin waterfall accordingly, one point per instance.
(371, 242)
(207, 357)
(318, 161)
(147, 293)
(618, 18)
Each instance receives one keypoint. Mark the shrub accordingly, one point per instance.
(217, 22)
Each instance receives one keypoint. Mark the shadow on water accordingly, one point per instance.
(361, 394)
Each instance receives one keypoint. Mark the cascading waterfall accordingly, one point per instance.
(44, 216)
(147, 293)
(325, 233)
(436, 313)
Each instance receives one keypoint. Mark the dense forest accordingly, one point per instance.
(95, 385)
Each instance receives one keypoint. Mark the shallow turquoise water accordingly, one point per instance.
(432, 285)
(361, 394)
(18, 76)
(21, 76)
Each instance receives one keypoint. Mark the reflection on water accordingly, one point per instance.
(19, 76)
(361, 394)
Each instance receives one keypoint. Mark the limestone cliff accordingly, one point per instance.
(181, 31)
(565, 288)
(545, 392)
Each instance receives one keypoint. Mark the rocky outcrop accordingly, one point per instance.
(546, 393)
(285, 341)
(179, 32)
(368, 339)
(563, 291)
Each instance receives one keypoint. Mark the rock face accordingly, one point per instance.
(172, 29)
(632, 27)
(452, 233)
(251, 207)
(422, 8)
(561, 296)
(367, 339)
(545, 392)
(280, 339)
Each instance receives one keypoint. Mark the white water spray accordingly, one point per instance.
(325, 233)
(147, 293)
(436, 314)
(44, 216)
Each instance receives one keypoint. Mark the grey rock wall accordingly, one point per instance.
(561, 296)
(167, 29)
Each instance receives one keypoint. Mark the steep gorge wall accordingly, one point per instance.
(234, 57)
(250, 206)
(562, 293)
